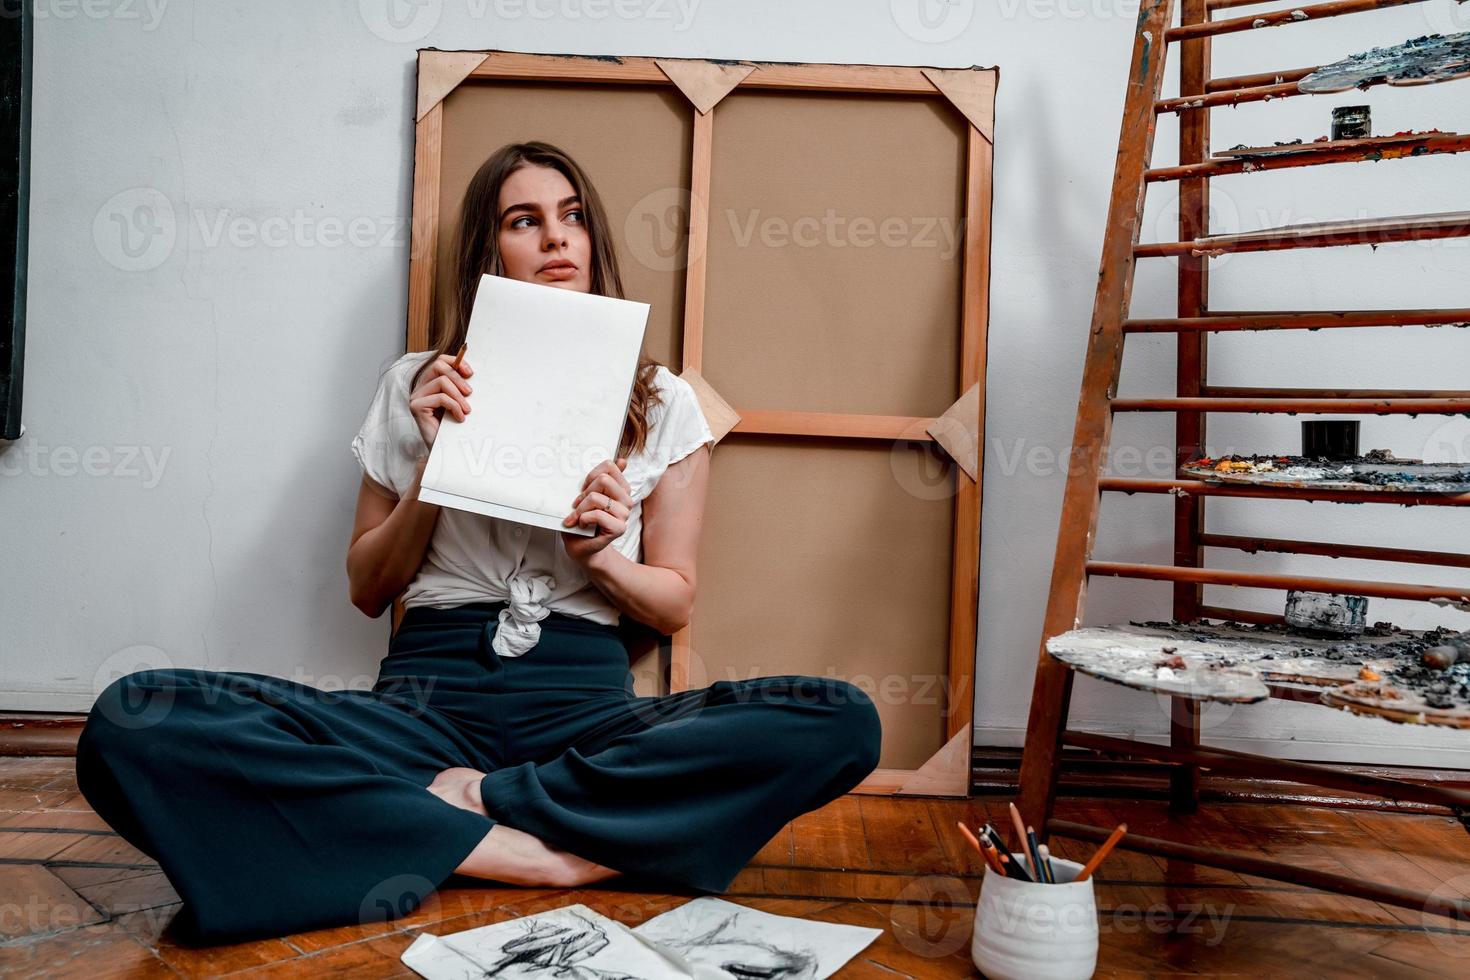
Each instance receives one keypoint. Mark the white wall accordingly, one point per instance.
(183, 493)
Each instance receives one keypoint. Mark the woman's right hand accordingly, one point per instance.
(442, 389)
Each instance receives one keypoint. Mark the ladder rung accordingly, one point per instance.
(1231, 391)
(1309, 406)
(1325, 320)
(1240, 615)
(1357, 231)
(1276, 18)
(1272, 580)
(1318, 154)
(1214, 5)
(1332, 549)
(1226, 760)
(1234, 96)
(1199, 488)
(1259, 79)
(1250, 863)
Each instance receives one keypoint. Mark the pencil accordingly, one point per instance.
(1020, 826)
(1051, 873)
(993, 858)
(969, 836)
(1102, 852)
(1034, 850)
(999, 844)
(986, 851)
(459, 358)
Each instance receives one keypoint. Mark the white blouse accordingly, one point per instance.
(474, 558)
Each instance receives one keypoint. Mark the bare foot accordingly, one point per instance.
(580, 871)
(461, 787)
(518, 858)
(511, 855)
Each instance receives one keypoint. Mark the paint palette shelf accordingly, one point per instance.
(1390, 478)
(1409, 143)
(1256, 159)
(1426, 60)
(1378, 673)
(1223, 654)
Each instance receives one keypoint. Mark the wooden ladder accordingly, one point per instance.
(1195, 398)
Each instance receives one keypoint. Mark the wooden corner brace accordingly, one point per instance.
(970, 90)
(704, 83)
(717, 412)
(958, 431)
(440, 72)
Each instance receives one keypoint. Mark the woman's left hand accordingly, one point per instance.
(605, 502)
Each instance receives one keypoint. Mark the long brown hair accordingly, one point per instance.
(478, 253)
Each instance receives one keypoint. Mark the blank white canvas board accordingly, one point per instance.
(553, 375)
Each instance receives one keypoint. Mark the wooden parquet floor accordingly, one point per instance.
(78, 901)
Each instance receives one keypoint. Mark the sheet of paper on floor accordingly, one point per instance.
(704, 939)
(569, 942)
(727, 941)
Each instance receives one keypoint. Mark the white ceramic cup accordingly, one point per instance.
(1030, 931)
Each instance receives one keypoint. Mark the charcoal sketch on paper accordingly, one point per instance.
(570, 943)
(726, 941)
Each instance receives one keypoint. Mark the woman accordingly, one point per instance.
(503, 739)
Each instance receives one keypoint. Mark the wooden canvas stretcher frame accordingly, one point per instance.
(967, 94)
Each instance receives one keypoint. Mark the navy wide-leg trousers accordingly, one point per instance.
(275, 807)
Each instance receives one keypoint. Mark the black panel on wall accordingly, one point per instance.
(15, 132)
